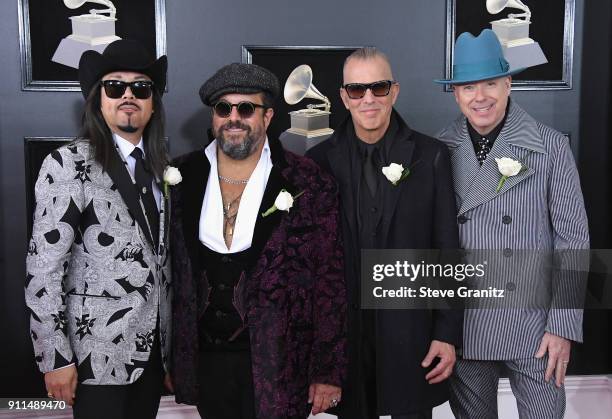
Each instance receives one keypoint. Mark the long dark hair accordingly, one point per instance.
(96, 131)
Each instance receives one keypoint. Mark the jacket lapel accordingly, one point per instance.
(266, 225)
(195, 178)
(401, 152)
(122, 180)
(465, 166)
(517, 140)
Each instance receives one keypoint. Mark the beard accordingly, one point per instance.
(242, 150)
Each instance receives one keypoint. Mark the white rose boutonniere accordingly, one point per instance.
(507, 167)
(172, 176)
(283, 202)
(395, 173)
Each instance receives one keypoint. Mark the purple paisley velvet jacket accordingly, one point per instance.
(293, 301)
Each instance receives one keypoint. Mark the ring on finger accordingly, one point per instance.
(333, 403)
(50, 395)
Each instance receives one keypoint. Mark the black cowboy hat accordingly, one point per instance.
(121, 55)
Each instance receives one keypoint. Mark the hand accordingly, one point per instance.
(446, 353)
(558, 349)
(168, 383)
(61, 384)
(321, 396)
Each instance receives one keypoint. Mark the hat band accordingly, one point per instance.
(480, 70)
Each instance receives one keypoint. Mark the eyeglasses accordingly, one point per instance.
(378, 88)
(141, 89)
(245, 109)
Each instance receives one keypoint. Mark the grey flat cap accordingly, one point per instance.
(239, 78)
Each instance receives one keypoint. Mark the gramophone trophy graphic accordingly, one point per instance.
(90, 31)
(309, 126)
(519, 49)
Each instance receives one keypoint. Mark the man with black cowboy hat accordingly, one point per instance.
(98, 280)
(517, 187)
(259, 310)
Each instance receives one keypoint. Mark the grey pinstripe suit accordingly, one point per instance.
(540, 208)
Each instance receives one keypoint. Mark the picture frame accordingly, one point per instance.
(552, 26)
(326, 63)
(43, 24)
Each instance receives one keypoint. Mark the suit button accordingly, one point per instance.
(226, 259)
(218, 341)
(510, 286)
(219, 314)
(462, 219)
(506, 219)
(221, 287)
(373, 209)
(355, 306)
(507, 252)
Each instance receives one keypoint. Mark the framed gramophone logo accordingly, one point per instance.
(310, 76)
(54, 34)
(534, 34)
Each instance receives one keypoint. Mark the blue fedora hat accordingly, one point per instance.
(478, 58)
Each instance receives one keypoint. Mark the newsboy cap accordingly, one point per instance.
(121, 55)
(239, 78)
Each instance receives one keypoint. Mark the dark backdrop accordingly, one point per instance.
(203, 35)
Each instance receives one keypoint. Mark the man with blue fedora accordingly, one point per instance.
(517, 189)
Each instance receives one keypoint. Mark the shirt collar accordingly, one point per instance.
(127, 147)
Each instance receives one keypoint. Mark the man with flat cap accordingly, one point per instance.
(259, 309)
(517, 188)
(98, 280)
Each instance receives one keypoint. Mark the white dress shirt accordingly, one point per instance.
(126, 149)
(211, 216)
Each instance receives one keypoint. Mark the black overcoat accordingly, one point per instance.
(419, 213)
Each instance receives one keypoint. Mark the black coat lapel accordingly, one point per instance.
(122, 180)
(195, 174)
(401, 152)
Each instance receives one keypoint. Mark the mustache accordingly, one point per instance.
(235, 124)
(128, 102)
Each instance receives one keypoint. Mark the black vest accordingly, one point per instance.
(221, 328)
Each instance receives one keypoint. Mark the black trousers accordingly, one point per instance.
(226, 385)
(139, 400)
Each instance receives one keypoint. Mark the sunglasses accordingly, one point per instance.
(245, 109)
(141, 89)
(378, 88)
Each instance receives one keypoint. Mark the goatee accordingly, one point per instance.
(129, 128)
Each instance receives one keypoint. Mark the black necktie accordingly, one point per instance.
(144, 185)
(371, 169)
(482, 149)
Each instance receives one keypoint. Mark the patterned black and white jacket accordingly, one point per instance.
(96, 284)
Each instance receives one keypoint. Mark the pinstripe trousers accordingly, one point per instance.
(474, 389)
